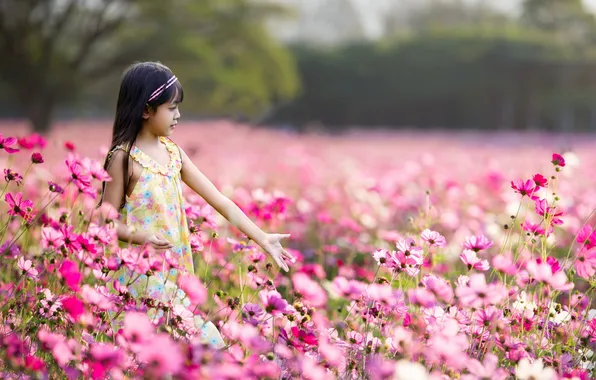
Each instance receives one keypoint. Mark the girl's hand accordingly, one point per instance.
(271, 244)
(158, 242)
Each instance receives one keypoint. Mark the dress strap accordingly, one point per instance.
(174, 165)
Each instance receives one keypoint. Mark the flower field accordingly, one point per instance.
(420, 255)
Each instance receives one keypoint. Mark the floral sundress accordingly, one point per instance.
(156, 205)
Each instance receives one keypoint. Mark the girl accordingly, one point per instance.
(147, 171)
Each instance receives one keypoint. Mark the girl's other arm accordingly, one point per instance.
(198, 182)
(114, 194)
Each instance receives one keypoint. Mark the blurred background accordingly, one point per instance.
(302, 65)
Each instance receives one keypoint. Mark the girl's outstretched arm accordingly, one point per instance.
(197, 181)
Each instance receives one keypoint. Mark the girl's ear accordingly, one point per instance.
(146, 112)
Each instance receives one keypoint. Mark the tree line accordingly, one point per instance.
(453, 67)
(473, 77)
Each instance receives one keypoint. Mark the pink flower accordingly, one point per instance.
(78, 174)
(548, 212)
(543, 272)
(18, 206)
(558, 160)
(525, 188)
(74, 307)
(587, 237)
(63, 353)
(274, 302)
(27, 267)
(433, 238)
(504, 263)
(69, 271)
(160, 357)
(55, 188)
(7, 142)
(252, 313)
(11, 175)
(422, 297)
(106, 356)
(193, 287)
(70, 238)
(439, 286)
(95, 169)
(51, 239)
(477, 243)
(381, 256)
(536, 229)
(310, 290)
(472, 261)
(585, 263)
(92, 296)
(305, 337)
(137, 329)
(477, 293)
(488, 369)
(408, 261)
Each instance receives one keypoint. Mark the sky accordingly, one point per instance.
(370, 12)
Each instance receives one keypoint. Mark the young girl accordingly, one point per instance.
(147, 170)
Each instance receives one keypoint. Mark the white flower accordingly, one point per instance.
(560, 316)
(524, 303)
(406, 370)
(533, 371)
(586, 358)
(591, 314)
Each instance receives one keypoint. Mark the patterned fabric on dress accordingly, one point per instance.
(156, 205)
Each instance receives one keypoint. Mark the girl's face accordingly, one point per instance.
(163, 120)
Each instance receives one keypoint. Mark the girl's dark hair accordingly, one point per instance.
(139, 81)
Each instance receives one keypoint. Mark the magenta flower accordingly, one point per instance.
(105, 356)
(525, 188)
(55, 188)
(470, 258)
(37, 158)
(274, 302)
(548, 212)
(69, 271)
(477, 243)
(536, 229)
(19, 207)
(558, 160)
(587, 237)
(252, 313)
(78, 174)
(74, 307)
(51, 238)
(11, 175)
(433, 238)
(7, 142)
(539, 180)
